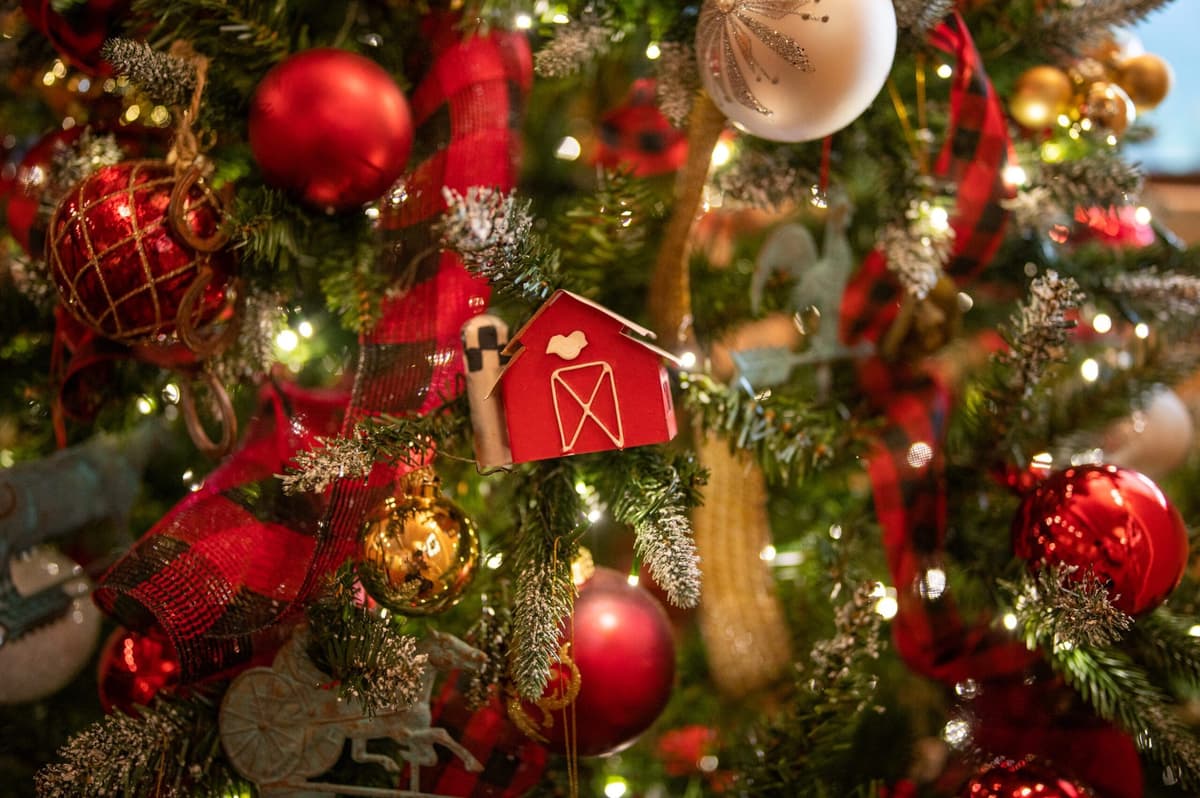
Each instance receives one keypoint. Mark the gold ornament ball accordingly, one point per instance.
(1109, 107)
(418, 552)
(1041, 94)
(1146, 78)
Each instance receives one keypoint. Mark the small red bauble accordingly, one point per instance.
(332, 126)
(32, 178)
(1007, 778)
(79, 33)
(134, 668)
(1112, 521)
(621, 642)
(120, 266)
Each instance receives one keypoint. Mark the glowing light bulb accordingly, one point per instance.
(1102, 323)
(1089, 370)
(721, 154)
(287, 340)
(568, 149)
(653, 51)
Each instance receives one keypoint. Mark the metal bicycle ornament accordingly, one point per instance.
(283, 725)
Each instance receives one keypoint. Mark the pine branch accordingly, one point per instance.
(917, 250)
(762, 178)
(1164, 643)
(545, 594)
(789, 437)
(1056, 609)
(393, 439)
(366, 652)
(806, 752)
(1121, 692)
(653, 493)
(1081, 25)
(171, 750)
(605, 229)
(164, 78)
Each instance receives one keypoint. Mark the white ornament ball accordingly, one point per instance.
(1154, 440)
(44, 661)
(795, 70)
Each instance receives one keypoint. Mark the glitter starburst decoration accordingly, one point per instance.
(731, 27)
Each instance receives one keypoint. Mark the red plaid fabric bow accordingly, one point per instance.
(224, 566)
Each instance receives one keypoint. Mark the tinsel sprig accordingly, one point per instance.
(1099, 178)
(171, 749)
(763, 178)
(1038, 331)
(678, 81)
(918, 17)
(789, 436)
(917, 250)
(1163, 294)
(653, 492)
(1055, 609)
(164, 78)
(546, 544)
(573, 46)
(364, 650)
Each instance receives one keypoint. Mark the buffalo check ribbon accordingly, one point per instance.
(221, 571)
(906, 464)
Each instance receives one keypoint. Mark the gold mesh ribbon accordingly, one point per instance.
(742, 622)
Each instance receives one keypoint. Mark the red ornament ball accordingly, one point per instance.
(134, 668)
(121, 267)
(622, 644)
(79, 32)
(1007, 778)
(332, 126)
(1112, 521)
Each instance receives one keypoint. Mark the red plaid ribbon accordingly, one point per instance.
(236, 557)
(907, 464)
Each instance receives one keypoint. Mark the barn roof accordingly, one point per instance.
(513, 350)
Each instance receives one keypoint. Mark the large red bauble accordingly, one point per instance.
(1007, 778)
(332, 126)
(621, 641)
(119, 266)
(134, 668)
(1112, 521)
(33, 175)
(78, 34)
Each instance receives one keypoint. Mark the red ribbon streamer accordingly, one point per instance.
(907, 464)
(231, 561)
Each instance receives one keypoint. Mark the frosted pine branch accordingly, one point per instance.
(544, 599)
(1038, 331)
(166, 79)
(1101, 178)
(918, 17)
(762, 179)
(573, 46)
(678, 81)
(1167, 294)
(1074, 27)
(1032, 207)
(856, 639)
(918, 250)
(169, 750)
(486, 227)
(665, 544)
(315, 470)
(1055, 608)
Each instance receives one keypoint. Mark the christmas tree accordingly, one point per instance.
(624, 398)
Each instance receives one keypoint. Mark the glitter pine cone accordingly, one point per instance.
(122, 267)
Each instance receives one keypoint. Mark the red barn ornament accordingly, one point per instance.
(580, 379)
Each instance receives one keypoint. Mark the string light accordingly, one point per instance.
(523, 21)
(287, 340)
(1014, 175)
(568, 149)
(653, 51)
(1089, 370)
(1102, 323)
(633, 580)
(145, 405)
(768, 553)
(1010, 621)
(944, 71)
(615, 787)
(721, 154)
(305, 329)
(1142, 330)
(687, 359)
(1142, 215)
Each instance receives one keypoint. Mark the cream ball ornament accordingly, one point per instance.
(795, 70)
(1156, 439)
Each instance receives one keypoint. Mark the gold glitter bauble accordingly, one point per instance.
(1109, 107)
(1146, 79)
(419, 552)
(1041, 94)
